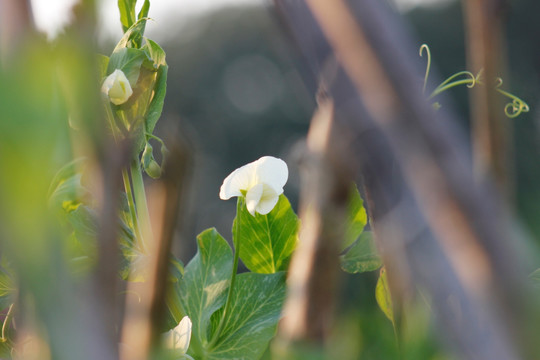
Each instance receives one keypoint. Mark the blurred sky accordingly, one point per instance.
(52, 15)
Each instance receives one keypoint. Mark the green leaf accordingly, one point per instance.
(82, 246)
(356, 217)
(144, 10)
(156, 106)
(251, 323)
(174, 312)
(128, 60)
(383, 296)
(155, 52)
(7, 288)
(67, 171)
(202, 291)
(362, 256)
(267, 241)
(133, 36)
(127, 13)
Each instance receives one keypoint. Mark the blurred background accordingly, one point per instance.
(235, 93)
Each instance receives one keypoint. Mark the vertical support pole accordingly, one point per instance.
(491, 131)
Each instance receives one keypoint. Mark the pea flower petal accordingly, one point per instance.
(117, 87)
(179, 337)
(261, 182)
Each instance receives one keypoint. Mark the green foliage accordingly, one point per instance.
(255, 303)
(383, 296)
(146, 69)
(267, 241)
(203, 288)
(129, 60)
(7, 286)
(156, 106)
(252, 320)
(356, 217)
(362, 256)
(127, 13)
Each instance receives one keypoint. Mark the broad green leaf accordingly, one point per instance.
(128, 60)
(383, 296)
(156, 106)
(202, 291)
(266, 241)
(362, 256)
(251, 323)
(356, 217)
(127, 13)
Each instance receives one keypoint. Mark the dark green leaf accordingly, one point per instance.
(267, 241)
(202, 291)
(362, 256)
(251, 323)
(356, 217)
(383, 296)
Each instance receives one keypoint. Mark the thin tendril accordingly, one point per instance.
(516, 107)
(470, 81)
(428, 65)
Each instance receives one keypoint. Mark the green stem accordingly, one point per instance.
(7, 320)
(131, 204)
(236, 243)
(141, 205)
(132, 198)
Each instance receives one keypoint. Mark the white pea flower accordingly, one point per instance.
(261, 182)
(117, 87)
(179, 337)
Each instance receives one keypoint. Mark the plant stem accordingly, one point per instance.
(236, 244)
(141, 205)
(7, 320)
(131, 205)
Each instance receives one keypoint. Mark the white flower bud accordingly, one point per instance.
(117, 87)
(179, 337)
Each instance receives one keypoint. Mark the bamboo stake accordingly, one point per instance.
(492, 146)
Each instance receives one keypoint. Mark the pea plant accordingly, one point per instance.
(212, 310)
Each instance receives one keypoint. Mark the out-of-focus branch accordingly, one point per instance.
(314, 270)
(15, 23)
(491, 130)
(431, 220)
